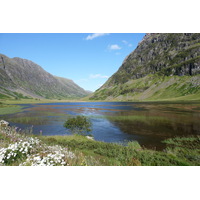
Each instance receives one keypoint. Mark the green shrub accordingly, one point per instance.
(79, 125)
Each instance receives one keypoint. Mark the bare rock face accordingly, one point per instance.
(4, 123)
(170, 54)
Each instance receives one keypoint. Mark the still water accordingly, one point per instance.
(120, 122)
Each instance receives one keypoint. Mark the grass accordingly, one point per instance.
(3, 96)
(9, 109)
(152, 88)
(179, 151)
(35, 101)
(135, 118)
(29, 120)
(145, 89)
(187, 148)
(115, 154)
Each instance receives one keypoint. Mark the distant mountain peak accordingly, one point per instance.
(23, 77)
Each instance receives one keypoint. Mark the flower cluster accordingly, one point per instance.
(17, 150)
(58, 149)
(32, 151)
(51, 159)
(49, 156)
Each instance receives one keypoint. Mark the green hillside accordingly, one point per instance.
(21, 78)
(163, 66)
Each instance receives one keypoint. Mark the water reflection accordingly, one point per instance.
(148, 123)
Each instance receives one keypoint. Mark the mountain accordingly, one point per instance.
(21, 78)
(163, 66)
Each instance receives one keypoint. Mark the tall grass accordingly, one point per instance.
(115, 154)
(29, 120)
(10, 109)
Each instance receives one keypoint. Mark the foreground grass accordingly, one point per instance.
(133, 154)
(22, 148)
(76, 150)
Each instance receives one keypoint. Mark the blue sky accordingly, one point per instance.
(89, 59)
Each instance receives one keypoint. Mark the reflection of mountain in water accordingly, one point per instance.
(148, 123)
(150, 130)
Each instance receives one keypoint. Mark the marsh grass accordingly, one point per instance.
(29, 120)
(35, 101)
(142, 118)
(10, 109)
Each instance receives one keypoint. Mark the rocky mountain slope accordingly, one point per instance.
(21, 78)
(163, 66)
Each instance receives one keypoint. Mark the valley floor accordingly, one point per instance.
(9, 106)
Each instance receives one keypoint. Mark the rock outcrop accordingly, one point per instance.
(4, 123)
(172, 54)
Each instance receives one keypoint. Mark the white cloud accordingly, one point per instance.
(95, 35)
(93, 76)
(124, 41)
(127, 43)
(114, 47)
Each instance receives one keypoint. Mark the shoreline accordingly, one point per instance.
(19, 148)
(32, 101)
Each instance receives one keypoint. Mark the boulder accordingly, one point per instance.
(89, 137)
(4, 123)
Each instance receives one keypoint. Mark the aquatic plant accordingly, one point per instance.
(9, 109)
(34, 120)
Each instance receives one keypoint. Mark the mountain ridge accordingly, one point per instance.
(158, 56)
(23, 78)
